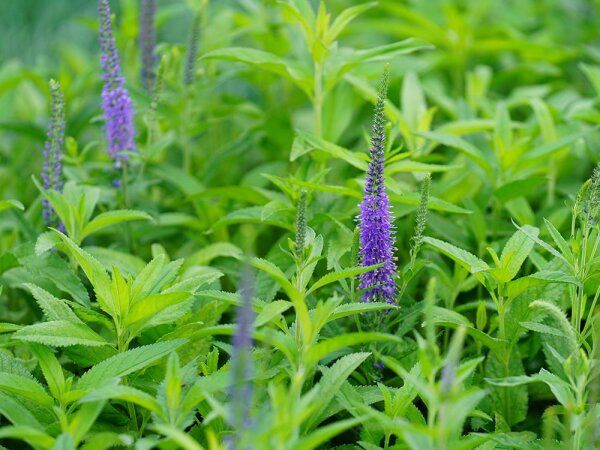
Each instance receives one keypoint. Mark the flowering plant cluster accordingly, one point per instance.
(233, 237)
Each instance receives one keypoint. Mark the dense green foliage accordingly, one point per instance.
(117, 328)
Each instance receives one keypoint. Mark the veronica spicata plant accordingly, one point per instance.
(53, 149)
(118, 110)
(375, 219)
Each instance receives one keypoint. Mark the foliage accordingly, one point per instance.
(203, 288)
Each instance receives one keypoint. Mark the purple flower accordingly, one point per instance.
(241, 365)
(147, 41)
(53, 148)
(375, 219)
(118, 112)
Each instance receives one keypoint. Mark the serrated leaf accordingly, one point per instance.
(25, 387)
(271, 311)
(541, 328)
(332, 380)
(157, 309)
(127, 362)
(157, 273)
(511, 403)
(60, 333)
(516, 251)
(95, 273)
(54, 308)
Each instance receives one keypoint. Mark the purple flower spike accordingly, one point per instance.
(375, 219)
(52, 166)
(241, 366)
(118, 111)
(147, 41)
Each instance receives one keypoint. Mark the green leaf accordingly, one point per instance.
(252, 214)
(518, 188)
(343, 19)
(519, 285)
(545, 150)
(562, 244)
(30, 432)
(25, 387)
(413, 100)
(541, 328)
(306, 142)
(386, 52)
(416, 166)
(325, 433)
(295, 296)
(212, 251)
(341, 341)
(125, 363)
(110, 258)
(8, 204)
(17, 413)
(560, 388)
(158, 273)
(95, 273)
(351, 309)
(54, 308)
(295, 72)
(182, 439)
(531, 234)
(510, 403)
(329, 385)
(517, 250)
(339, 275)
(469, 261)
(51, 369)
(110, 218)
(192, 284)
(157, 309)
(123, 393)
(453, 319)
(271, 311)
(64, 442)
(60, 333)
(461, 145)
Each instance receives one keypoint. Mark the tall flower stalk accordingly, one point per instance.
(147, 42)
(189, 73)
(118, 111)
(53, 149)
(241, 366)
(375, 218)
